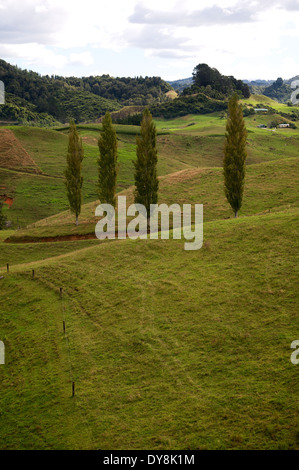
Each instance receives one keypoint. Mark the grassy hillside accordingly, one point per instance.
(265, 100)
(168, 349)
(188, 142)
(268, 188)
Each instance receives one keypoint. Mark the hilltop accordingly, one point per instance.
(279, 91)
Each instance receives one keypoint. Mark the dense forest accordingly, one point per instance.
(31, 97)
(48, 100)
(222, 85)
(209, 92)
(278, 91)
(199, 103)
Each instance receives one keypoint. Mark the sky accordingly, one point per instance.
(250, 39)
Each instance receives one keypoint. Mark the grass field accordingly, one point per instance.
(168, 349)
(268, 188)
(162, 356)
(187, 142)
(261, 99)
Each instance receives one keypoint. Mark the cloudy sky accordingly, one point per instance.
(168, 38)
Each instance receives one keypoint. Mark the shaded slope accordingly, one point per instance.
(13, 156)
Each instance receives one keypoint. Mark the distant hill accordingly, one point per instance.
(291, 80)
(264, 83)
(31, 97)
(180, 85)
(279, 90)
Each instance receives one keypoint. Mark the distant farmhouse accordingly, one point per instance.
(261, 110)
(284, 125)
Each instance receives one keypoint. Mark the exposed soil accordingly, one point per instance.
(13, 156)
(6, 199)
(57, 238)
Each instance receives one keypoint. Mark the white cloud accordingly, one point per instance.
(212, 15)
(72, 33)
(30, 21)
(82, 58)
(34, 54)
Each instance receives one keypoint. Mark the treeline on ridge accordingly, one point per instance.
(29, 94)
(46, 100)
(208, 79)
(208, 93)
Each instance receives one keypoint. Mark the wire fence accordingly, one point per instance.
(65, 314)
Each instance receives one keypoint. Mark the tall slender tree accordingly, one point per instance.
(107, 162)
(74, 179)
(234, 155)
(146, 179)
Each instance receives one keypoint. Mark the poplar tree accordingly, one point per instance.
(234, 155)
(146, 180)
(107, 162)
(74, 180)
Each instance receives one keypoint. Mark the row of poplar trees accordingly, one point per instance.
(146, 179)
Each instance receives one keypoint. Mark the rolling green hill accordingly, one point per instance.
(167, 348)
(268, 189)
(193, 141)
